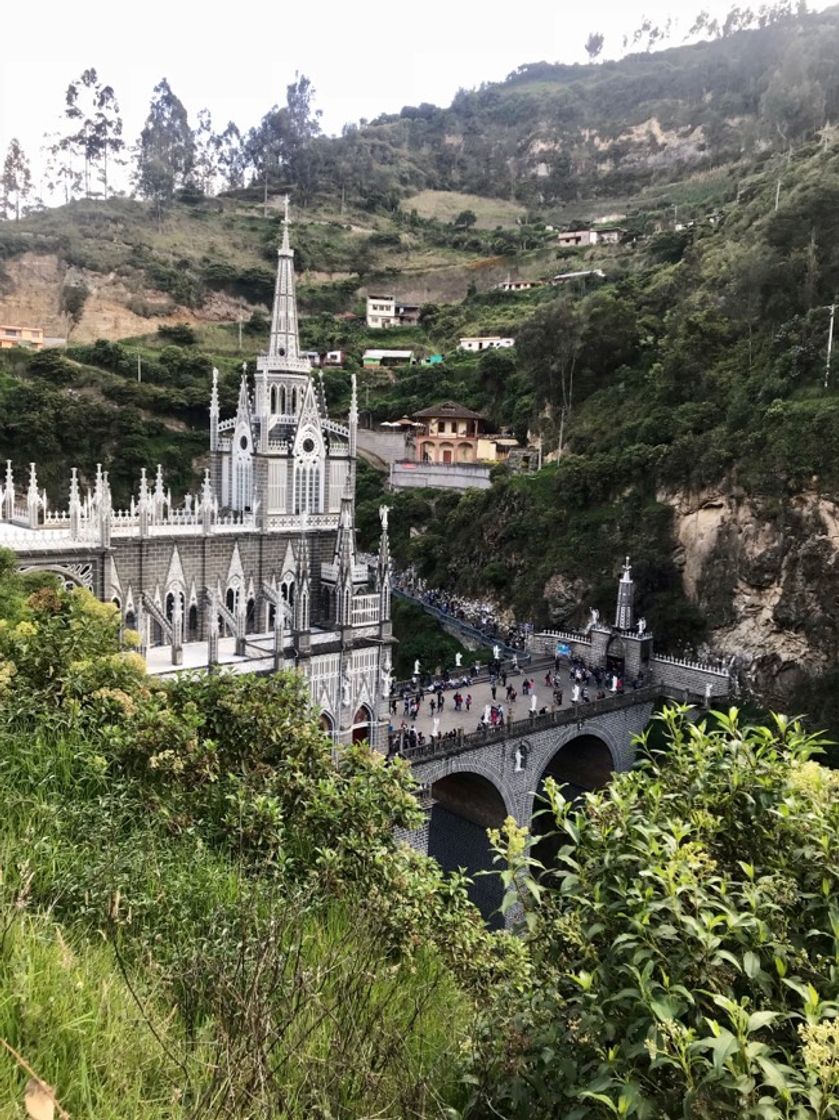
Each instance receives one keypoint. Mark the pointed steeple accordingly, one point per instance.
(624, 612)
(353, 417)
(75, 504)
(303, 581)
(284, 341)
(383, 567)
(33, 499)
(214, 412)
(9, 493)
(243, 406)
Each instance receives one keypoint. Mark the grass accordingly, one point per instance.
(446, 205)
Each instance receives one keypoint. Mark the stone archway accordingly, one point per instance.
(362, 722)
(582, 764)
(327, 724)
(465, 805)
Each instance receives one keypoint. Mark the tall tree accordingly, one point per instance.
(166, 151)
(230, 155)
(17, 180)
(594, 45)
(96, 130)
(206, 166)
(278, 143)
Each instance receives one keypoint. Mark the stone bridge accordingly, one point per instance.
(473, 781)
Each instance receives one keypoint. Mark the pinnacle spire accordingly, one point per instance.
(624, 612)
(284, 342)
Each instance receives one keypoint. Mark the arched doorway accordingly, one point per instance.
(446, 452)
(326, 724)
(361, 724)
(464, 806)
(583, 764)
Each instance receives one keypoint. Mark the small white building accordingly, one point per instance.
(517, 285)
(372, 359)
(388, 311)
(576, 238)
(486, 342)
(585, 274)
(311, 356)
(381, 312)
(579, 238)
(334, 359)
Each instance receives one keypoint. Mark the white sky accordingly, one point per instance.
(237, 60)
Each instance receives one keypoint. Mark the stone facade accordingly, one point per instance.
(259, 569)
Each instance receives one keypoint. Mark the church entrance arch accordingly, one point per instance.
(464, 806)
(327, 724)
(362, 721)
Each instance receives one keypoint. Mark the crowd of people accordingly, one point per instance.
(479, 615)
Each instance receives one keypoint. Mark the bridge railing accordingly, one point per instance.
(445, 745)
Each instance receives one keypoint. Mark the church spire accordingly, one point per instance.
(284, 343)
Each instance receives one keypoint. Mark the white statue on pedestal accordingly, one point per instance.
(575, 694)
(614, 687)
(595, 616)
(458, 657)
(519, 760)
(436, 730)
(533, 702)
(642, 627)
(496, 653)
(416, 668)
(346, 688)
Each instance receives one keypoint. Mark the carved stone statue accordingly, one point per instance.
(458, 657)
(346, 688)
(595, 616)
(416, 668)
(642, 627)
(496, 652)
(519, 760)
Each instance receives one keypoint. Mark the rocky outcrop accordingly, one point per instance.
(766, 576)
(32, 294)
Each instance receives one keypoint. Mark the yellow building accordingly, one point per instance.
(31, 338)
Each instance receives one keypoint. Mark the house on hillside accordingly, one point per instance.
(579, 238)
(388, 311)
(30, 338)
(486, 342)
(334, 359)
(375, 359)
(517, 285)
(311, 356)
(584, 275)
(576, 238)
(609, 235)
(450, 433)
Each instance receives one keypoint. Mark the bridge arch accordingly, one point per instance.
(584, 762)
(465, 803)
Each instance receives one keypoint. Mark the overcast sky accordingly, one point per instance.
(236, 59)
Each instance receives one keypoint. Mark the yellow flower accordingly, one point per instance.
(25, 630)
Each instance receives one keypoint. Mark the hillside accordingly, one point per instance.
(557, 136)
(697, 434)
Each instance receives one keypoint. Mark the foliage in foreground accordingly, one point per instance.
(687, 944)
(195, 888)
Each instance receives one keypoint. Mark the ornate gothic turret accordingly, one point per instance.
(383, 568)
(9, 493)
(624, 613)
(214, 412)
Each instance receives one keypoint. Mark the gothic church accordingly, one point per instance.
(257, 571)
